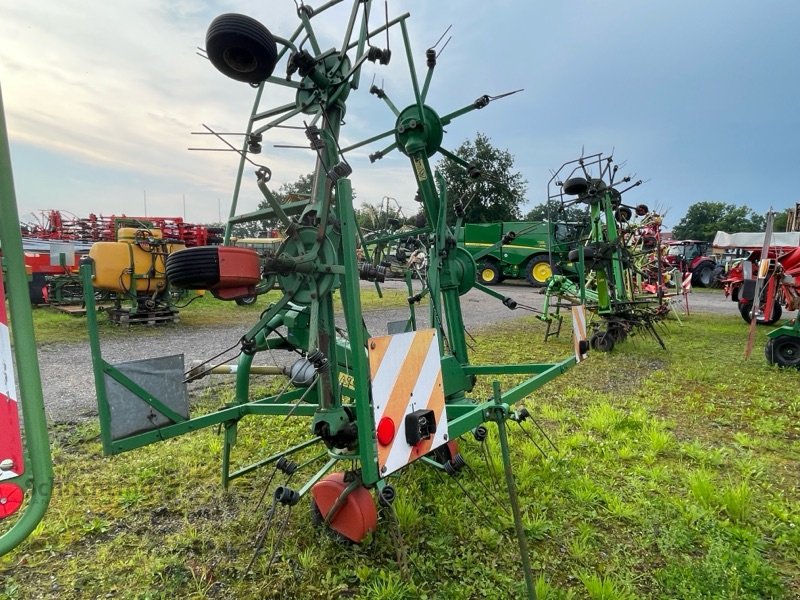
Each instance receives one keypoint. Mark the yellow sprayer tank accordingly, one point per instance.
(136, 261)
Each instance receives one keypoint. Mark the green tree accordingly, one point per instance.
(553, 211)
(780, 220)
(288, 192)
(373, 217)
(496, 195)
(704, 219)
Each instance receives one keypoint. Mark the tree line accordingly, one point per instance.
(499, 192)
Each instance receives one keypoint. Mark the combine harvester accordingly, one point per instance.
(375, 404)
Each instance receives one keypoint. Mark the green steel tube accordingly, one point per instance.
(522, 539)
(237, 187)
(103, 411)
(40, 465)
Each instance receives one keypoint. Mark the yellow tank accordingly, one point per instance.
(136, 261)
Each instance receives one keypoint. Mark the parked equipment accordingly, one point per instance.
(375, 403)
(533, 250)
(693, 257)
(610, 273)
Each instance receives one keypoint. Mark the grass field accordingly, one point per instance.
(677, 476)
(55, 326)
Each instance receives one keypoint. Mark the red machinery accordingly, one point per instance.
(56, 225)
(692, 256)
(781, 289)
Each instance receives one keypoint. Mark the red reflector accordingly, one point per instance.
(386, 431)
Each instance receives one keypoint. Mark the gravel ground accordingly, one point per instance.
(66, 368)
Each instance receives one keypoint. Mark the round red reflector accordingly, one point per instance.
(10, 499)
(386, 431)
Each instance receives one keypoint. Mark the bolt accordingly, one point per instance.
(383, 469)
(372, 345)
(3, 501)
(6, 465)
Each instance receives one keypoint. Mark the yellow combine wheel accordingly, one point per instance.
(538, 270)
(489, 273)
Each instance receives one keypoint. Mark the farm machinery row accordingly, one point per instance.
(765, 285)
(131, 252)
(622, 274)
(375, 404)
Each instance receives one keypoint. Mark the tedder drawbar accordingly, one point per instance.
(375, 403)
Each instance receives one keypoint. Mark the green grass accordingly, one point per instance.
(54, 326)
(676, 477)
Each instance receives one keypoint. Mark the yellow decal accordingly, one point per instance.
(347, 381)
(420, 167)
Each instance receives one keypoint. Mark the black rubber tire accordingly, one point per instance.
(530, 268)
(575, 186)
(36, 288)
(588, 254)
(495, 270)
(617, 332)
(241, 48)
(783, 351)
(602, 341)
(703, 275)
(623, 214)
(746, 307)
(194, 268)
(246, 300)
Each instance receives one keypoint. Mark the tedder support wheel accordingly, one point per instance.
(783, 351)
(241, 48)
(353, 513)
(745, 309)
(602, 341)
(538, 271)
(246, 301)
(489, 273)
(617, 332)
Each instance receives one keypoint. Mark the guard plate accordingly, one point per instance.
(406, 377)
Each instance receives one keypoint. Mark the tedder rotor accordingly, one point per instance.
(374, 403)
(612, 282)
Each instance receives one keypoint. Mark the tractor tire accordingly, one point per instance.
(703, 275)
(602, 341)
(783, 351)
(241, 48)
(538, 270)
(746, 308)
(246, 300)
(489, 274)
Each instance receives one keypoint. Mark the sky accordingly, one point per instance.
(698, 99)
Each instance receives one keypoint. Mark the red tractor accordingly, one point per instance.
(781, 289)
(693, 256)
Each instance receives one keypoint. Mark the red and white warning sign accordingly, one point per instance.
(407, 397)
(579, 339)
(10, 436)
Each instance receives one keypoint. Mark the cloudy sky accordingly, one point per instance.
(699, 98)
